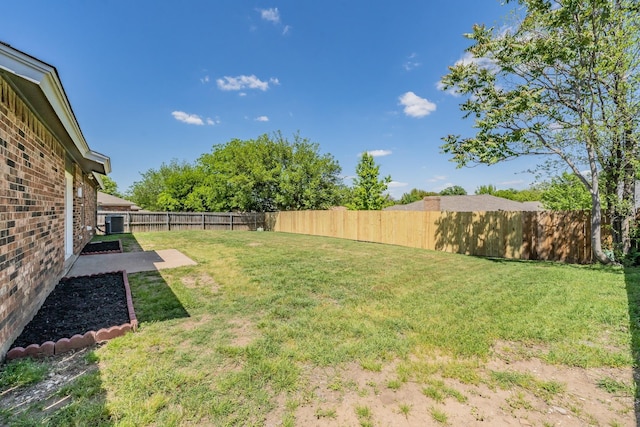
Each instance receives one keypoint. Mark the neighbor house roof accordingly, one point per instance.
(469, 203)
(109, 200)
(40, 87)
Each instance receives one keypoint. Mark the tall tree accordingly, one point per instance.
(110, 186)
(157, 191)
(566, 193)
(414, 195)
(454, 190)
(368, 188)
(561, 83)
(267, 174)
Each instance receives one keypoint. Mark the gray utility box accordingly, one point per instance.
(114, 224)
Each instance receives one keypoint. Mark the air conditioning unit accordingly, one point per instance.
(114, 224)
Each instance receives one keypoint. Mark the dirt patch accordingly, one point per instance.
(203, 280)
(354, 396)
(78, 305)
(243, 332)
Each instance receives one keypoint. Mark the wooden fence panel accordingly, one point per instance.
(165, 221)
(554, 236)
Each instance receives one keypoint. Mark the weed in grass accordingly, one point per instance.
(91, 357)
(22, 372)
(394, 384)
(439, 416)
(615, 387)
(507, 380)
(364, 416)
(519, 401)
(289, 420)
(404, 409)
(439, 391)
(326, 413)
(371, 365)
(433, 393)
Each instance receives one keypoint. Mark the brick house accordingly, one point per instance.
(48, 189)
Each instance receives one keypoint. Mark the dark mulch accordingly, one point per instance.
(94, 247)
(78, 305)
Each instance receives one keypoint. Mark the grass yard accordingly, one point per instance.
(281, 329)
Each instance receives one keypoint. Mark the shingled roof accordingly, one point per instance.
(469, 203)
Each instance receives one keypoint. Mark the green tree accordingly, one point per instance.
(414, 195)
(486, 189)
(110, 186)
(368, 188)
(527, 195)
(561, 83)
(268, 174)
(566, 193)
(155, 191)
(454, 190)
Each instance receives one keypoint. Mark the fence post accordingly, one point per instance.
(203, 227)
(168, 223)
(231, 221)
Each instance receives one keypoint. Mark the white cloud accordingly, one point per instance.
(437, 178)
(262, 119)
(205, 79)
(378, 153)
(468, 58)
(410, 64)
(213, 122)
(271, 15)
(396, 184)
(414, 106)
(514, 182)
(190, 119)
(244, 82)
(286, 30)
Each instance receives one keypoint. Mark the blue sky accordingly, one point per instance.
(151, 81)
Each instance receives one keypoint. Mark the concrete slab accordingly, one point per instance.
(131, 262)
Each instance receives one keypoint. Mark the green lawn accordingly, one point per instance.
(218, 342)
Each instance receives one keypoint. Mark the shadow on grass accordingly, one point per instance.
(83, 400)
(153, 299)
(632, 281)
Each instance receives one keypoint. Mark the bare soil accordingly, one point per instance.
(78, 305)
(101, 247)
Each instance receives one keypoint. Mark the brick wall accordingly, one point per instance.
(32, 188)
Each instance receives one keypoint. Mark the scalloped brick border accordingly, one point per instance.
(117, 251)
(50, 348)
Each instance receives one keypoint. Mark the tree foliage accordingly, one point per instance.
(264, 174)
(368, 188)
(414, 195)
(531, 194)
(565, 193)
(110, 186)
(454, 190)
(562, 83)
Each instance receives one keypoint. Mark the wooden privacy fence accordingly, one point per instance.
(165, 221)
(553, 236)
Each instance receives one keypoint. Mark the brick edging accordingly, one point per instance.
(50, 348)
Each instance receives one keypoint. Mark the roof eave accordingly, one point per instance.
(46, 78)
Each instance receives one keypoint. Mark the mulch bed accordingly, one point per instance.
(102, 247)
(78, 305)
